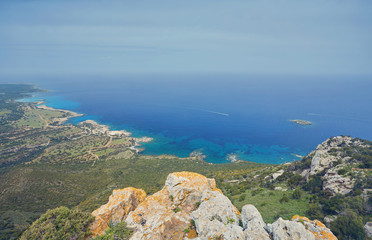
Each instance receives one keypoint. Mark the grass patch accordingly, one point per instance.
(268, 204)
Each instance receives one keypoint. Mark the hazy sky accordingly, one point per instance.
(191, 36)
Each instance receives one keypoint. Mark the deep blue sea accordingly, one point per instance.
(219, 114)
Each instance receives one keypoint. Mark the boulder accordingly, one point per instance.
(288, 230)
(317, 228)
(255, 231)
(253, 224)
(277, 174)
(251, 215)
(217, 216)
(121, 202)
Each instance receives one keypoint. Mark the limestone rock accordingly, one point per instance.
(166, 214)
(186, 188)
(121, 202)
(335, 183)
(190, 196)
(255, 231)
(368, 229)
(277, 174)
(317, 228)
(322, 158)
(288, 230)
(215, 215)
(251, 215)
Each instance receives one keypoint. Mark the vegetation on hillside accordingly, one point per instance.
(60, 223)
(291, 194)
(43, 166)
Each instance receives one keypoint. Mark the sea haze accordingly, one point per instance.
(247, 115)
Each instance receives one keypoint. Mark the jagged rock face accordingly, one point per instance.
(216, 216)
(120, 204)
(317, 228)
(288, 230)
(166, 214)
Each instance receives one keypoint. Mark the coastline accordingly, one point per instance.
(168, 144)
(59, 120)
(95, 127)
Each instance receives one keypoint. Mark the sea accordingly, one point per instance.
(220, 114)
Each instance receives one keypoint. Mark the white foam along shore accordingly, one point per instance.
(100, 129)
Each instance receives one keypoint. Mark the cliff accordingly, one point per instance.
(191, 207)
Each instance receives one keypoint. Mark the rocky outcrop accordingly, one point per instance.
(324, 156)
(318, 229)
(336, 183)
(166, 214)
(331, 156)
(120, 204)
(191, 207)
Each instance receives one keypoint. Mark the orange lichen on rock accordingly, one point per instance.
(166, 214)
(120, 204)
(192, 234)
(316, 227)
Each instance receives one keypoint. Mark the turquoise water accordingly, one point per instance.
(245, 115)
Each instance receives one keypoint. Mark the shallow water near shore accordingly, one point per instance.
(246, 115)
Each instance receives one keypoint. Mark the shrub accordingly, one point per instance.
(314, 185)
(342, 171)
(256, 191)
(333, 205)
(285, 198)
(315, 211)
(60, 223)
(117, 231)
(230, 220)
(348, 226)
(242, 198)
(295, 180)
(177, 210)
(297, 193)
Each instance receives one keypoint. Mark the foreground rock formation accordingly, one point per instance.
(191, 207)
(121, 203)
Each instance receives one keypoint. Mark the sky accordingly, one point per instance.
(322, 37)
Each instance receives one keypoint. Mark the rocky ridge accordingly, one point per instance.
(191, 207)
(330, 157)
